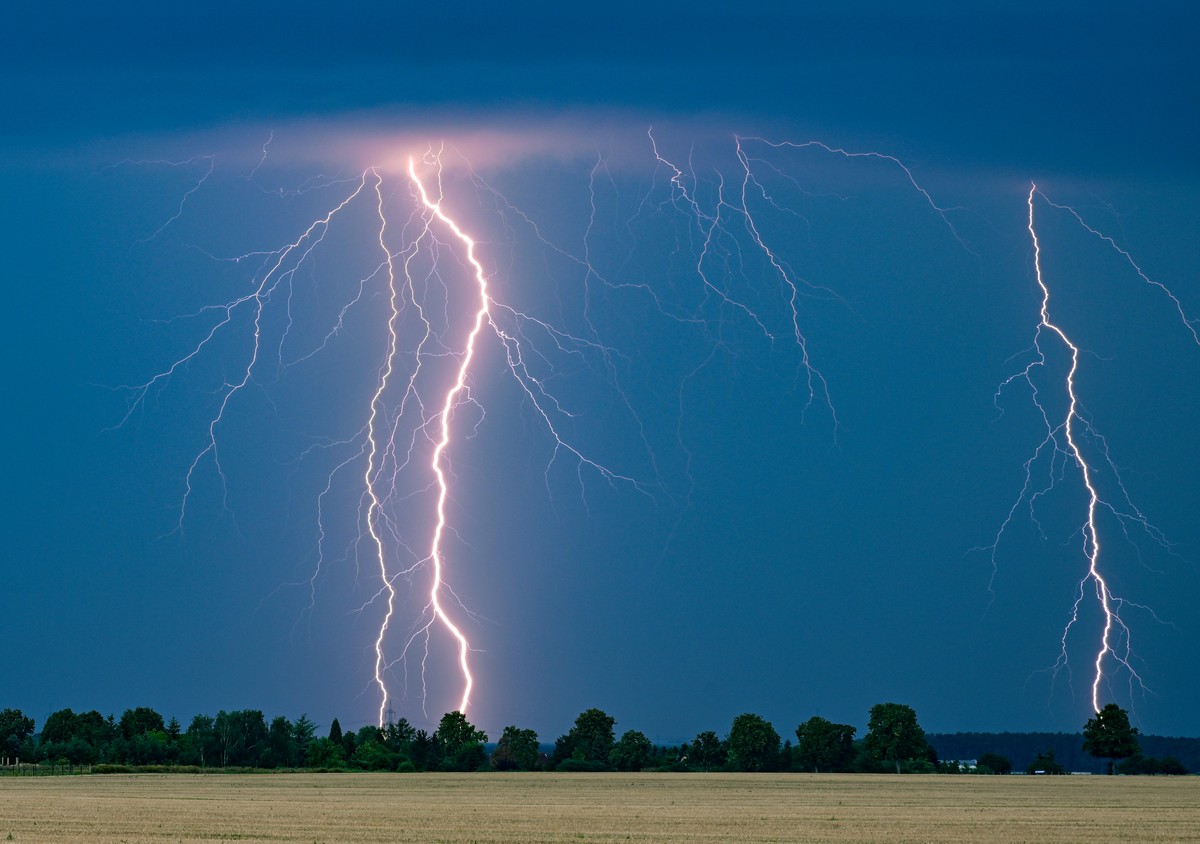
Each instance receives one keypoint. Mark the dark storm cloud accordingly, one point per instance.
(1037, 87)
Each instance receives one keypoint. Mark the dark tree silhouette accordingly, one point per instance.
(1109, 735)
(893, 734)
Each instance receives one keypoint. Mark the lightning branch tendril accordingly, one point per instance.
(370, 477)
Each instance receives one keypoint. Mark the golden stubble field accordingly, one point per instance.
(597, 808)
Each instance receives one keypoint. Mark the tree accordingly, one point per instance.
(138, 722)
(1139, 764)
(824, 745)
(90, 729)
(280, 750)
(371, 755)
(517, 750)
(1109, 735)
(1045, 763)
(753, 744)
(198, 746)
(590, 740)
(787, 757)
(95, 729)
(993, 763)
(631, 753)
(423, 751)
(241, 736)
(303, 731)
(460, 743)
(1171, 766)
(148, 748)
(335, 732)
(59, 726)
(15, 728)
(398, 739)
(707, 751)
(76, 751)
(324, 753)
(893, 734)
(399, 736)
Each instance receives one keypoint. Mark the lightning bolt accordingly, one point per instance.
(1066, 443)
(370, 475)
(448, 404)
(438, 424)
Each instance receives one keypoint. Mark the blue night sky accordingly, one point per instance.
(771, 554)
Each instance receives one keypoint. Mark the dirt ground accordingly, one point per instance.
(464, 808)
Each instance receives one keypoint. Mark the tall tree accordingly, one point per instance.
(1110, 736)
(198, 746)
(893, 734)
(824, 745)
(708, 751)
(632, 752)
(138, 722)
(398, 737)
(517, 750)
(280, 750)
(149, 748)
(424, 751)
(95, 729)
(15, 728)
(460, 743)
(349, 743)
(753, 744)
(303, 731)
(59, 726)
(241, 736)
(590, 740)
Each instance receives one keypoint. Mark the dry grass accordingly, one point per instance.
(598, 808)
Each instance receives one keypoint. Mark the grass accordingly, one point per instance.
(462, 808)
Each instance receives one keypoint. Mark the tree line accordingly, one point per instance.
(1024, 749)
(894, 742)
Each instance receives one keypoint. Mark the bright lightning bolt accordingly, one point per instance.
(1091, 537)
(395, 433)
(1065, 440)
(448, 404)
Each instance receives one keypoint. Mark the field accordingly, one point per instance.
(597, 808)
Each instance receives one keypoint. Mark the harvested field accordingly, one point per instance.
(597, 808)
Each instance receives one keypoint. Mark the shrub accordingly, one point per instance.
(578, 765)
